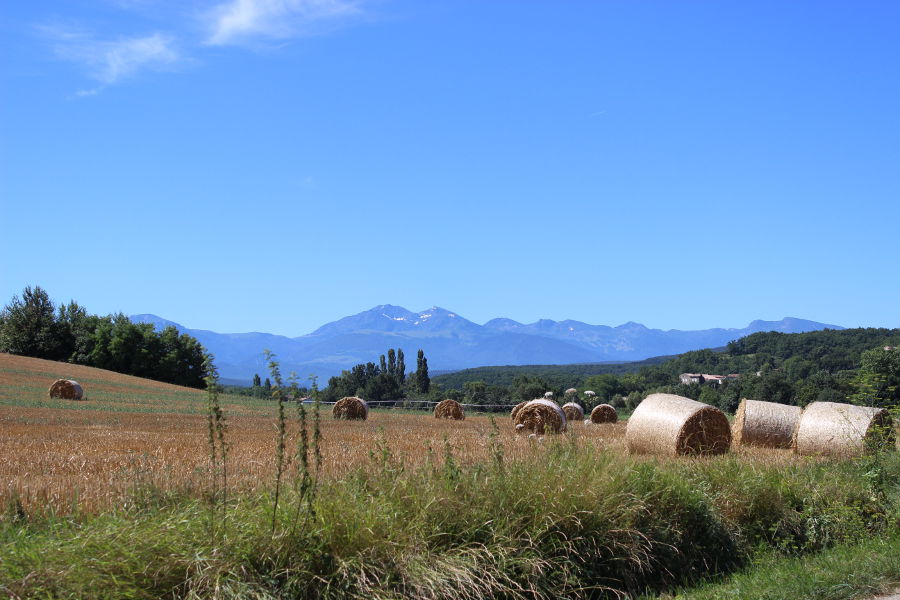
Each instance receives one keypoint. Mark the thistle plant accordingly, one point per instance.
(278, 393)
(218, 449)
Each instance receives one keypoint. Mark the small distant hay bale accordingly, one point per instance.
(765, 424)
(573, 411)
(836, 429)
(673, 425)
(517, 408)
(604, 413)
(540, 416)
(449, 409)
(350, 408)
(67, 389)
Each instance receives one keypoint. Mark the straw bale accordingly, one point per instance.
(67, 389)
(604, 413)
(573, 411)
(836, 429)
(765, 424)
(541, 416)
(350, 408)
(516, 409)
(449, 409)
(673, 425)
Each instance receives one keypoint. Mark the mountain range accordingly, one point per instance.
(452, 342)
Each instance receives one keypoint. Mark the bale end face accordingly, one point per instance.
(539, 417)
(350, 408)
(449, 409)
(707, 432)
(573, 411)
(604, 413)
(516, 409)
(66, 389)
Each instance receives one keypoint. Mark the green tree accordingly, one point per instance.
(423, 382)
(392, 362)
(401, 366)
(528, 387)
(28, 326)
(475, 392)
(878, 382)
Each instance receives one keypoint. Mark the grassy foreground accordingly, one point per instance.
(571, 521)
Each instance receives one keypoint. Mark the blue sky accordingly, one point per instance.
(272, 165)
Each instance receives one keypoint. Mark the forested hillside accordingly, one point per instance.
(555, 375)
(858, 365)
(33, 326)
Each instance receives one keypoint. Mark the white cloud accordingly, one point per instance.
(110, 61)
(242, 21)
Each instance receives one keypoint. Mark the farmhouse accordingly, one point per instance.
(688, 378)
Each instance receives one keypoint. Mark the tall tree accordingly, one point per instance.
(423, 382)
(401, 366)
(392, 362)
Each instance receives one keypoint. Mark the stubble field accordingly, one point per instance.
(132, 434)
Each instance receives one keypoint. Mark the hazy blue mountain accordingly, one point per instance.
(452, 342)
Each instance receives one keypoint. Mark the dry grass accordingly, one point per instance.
(129, 432)
(57, 456)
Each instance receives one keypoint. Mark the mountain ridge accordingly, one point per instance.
(453, 342)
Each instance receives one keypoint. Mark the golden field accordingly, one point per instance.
(130, 435)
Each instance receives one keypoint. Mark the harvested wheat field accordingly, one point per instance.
(131, 434)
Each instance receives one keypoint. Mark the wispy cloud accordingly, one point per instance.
(245, 21)
(110, 61)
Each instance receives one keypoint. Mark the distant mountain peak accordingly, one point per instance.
(452, 342)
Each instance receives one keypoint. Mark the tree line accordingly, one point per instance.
(855, 365)
(31, 325)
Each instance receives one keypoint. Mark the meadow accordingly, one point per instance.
(111, 497)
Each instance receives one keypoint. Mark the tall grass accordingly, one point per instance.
(569, 521)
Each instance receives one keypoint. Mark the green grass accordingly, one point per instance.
(568, 522)
(843, 572)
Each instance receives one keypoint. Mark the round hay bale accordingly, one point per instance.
(350, 408)
(541, 416)
(67, 389)
(836, 429)
(573, 411)
(765, 424)
(449, 409)
(673, 425)
(604, 413)
(516, 409)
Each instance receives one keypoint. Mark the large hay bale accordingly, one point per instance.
(604, 413)
(765, 424)
(836, 429)
(540, 416)
(350, 408)
(516, 409)
(573, 411)
(673, 425)
(67, 389)
(449, 409)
